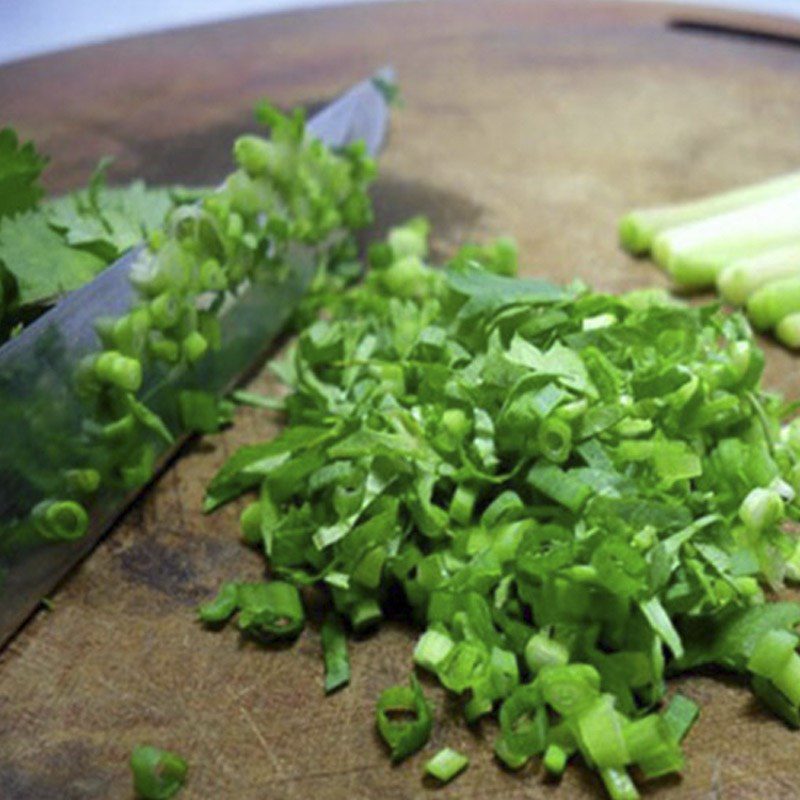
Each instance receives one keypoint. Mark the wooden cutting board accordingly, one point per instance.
(545, 121)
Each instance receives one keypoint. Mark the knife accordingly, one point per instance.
(42, 414)
(777, 22)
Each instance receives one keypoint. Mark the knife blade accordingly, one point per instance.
(42, 414)
(777, 22)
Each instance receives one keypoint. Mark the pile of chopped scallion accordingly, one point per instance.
(578, 494)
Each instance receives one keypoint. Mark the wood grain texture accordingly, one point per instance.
(545, 121)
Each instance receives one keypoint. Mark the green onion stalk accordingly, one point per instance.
(738, 281)
(638, 229)
(695, 254)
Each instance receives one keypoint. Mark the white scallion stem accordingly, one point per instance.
(696, 254)
(638, 228)
(743, 277)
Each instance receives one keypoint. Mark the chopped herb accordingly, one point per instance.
(266, 611)
(446, 765)
(334, 651)
(157, 774)
(404, 719)
(258, 400)
(680, 715)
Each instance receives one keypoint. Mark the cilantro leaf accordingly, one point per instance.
(20, 168)
(42, 264)
(109, 221)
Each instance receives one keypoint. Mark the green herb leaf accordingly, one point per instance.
(42, 264)
(20, 168)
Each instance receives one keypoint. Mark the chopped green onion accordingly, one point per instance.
(680, 714)
(83, 481)
(775, 658)
(555, 760)
(119, 370)
(555, 440)
(222, 607)
(561, 486)
(761, 509)
(258, 400)
(334, 651)
(60, 519)
(432, 649)
(570, 689)
(599, 730)
(411, 239)
(365, 614)
(194, 346)
(446, 764)
(542, 651)
(653, 746)
(523, 726)
(270, 610)
(659, 620)
(404, 719)
(157, 774)
(250, 521)
(462, 504)
(559, 483)
(162, 348)
(165, 310)
(776, 701)
(619, 784)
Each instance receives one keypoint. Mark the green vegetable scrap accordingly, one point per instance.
(157, 774)
(266, 611)
(576, 494)
(334, 651)
(446, 765)
(404, 719)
